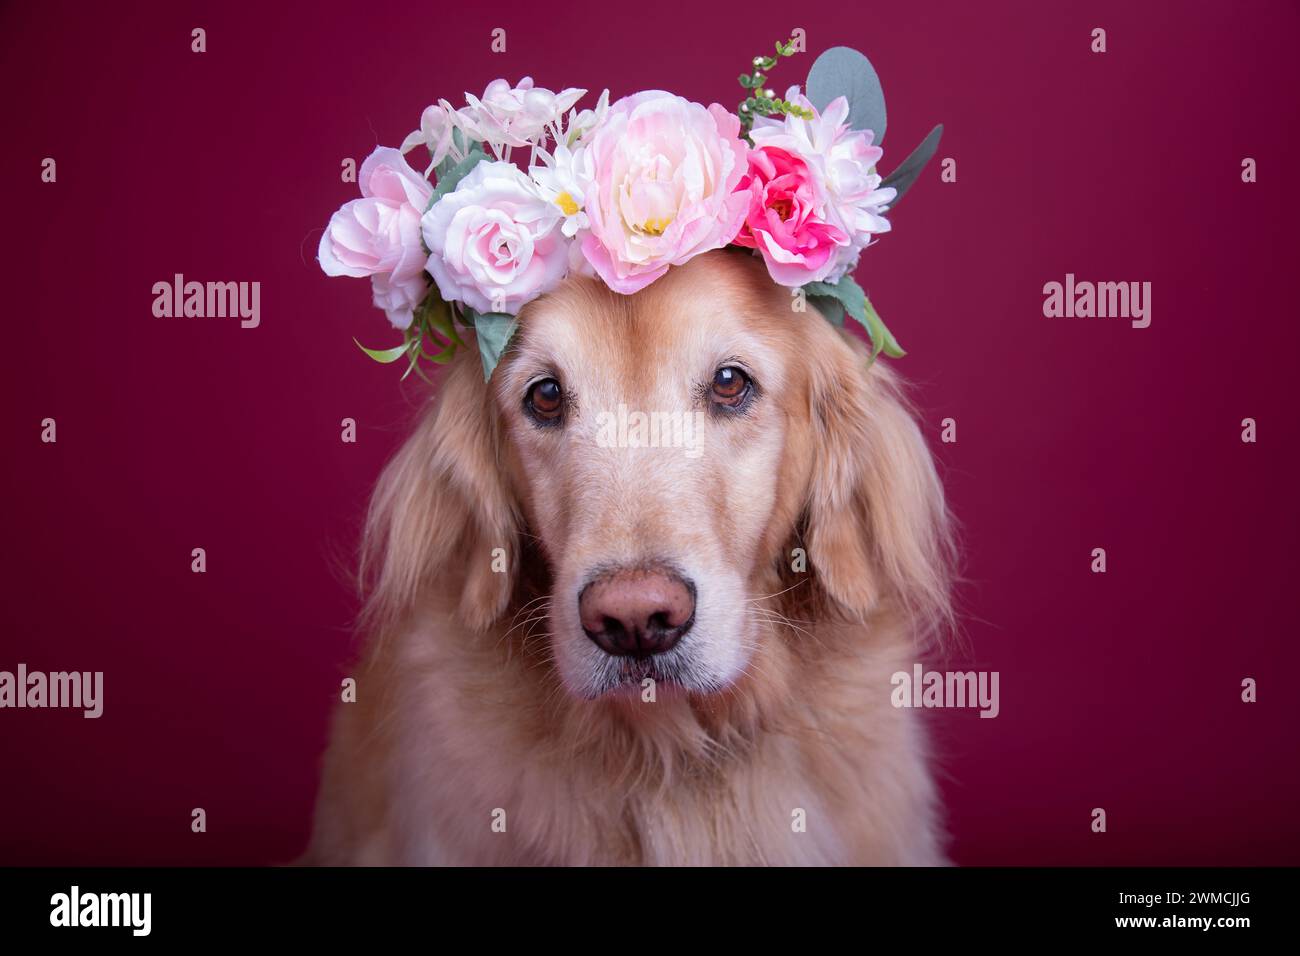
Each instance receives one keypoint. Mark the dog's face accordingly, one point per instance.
(685, 460)
(649, 434)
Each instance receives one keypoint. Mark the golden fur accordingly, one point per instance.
(471, 703)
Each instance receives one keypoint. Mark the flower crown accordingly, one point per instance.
(622, 191)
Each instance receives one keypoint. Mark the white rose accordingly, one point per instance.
(495, 243)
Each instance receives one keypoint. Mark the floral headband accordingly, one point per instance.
(622, 191)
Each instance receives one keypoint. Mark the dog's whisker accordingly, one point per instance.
(780, 620)
(540, 599)
(538, 615)
(775, 594)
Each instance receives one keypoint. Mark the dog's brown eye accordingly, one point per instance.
(730, 386)
(546, 399)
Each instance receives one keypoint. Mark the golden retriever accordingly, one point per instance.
(595, 651)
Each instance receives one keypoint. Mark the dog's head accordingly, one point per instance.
(683, 463)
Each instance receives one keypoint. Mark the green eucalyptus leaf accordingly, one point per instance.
(463, 147)
(846, 291)
(829, 306)
(854, 301)
(843, 71)
(462, 314)
(493, 330)
(385, 356)
(451, 179)
(906, 172)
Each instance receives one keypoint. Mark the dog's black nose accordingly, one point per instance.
(637, 612)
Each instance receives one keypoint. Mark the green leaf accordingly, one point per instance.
(449, 180)
(385, 356)
(416, 352)
(847, 292)
(746, 82)
(435, 313)
(494, 330)
(842, 71)
(880, 333)
(906, 172)
(463, 147)
(830, 307)
(443, 357)
(413, 355)
(440, 321)
(462, 314)
(855, 302)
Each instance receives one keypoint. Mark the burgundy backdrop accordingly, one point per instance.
(1118, 690)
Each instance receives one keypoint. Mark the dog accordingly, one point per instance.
(594, 652)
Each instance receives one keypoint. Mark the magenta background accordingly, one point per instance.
(1119, 691)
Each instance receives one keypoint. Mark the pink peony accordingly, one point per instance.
(379, 235)
(785, 220)
(664, 178)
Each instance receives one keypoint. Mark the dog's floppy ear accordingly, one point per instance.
(441, 509)
(877, 526)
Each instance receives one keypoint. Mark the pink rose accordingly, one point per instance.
(399, 296)
(785, 222)
(495, 243)
(379, 235)
(664, 177)
(843, 162)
